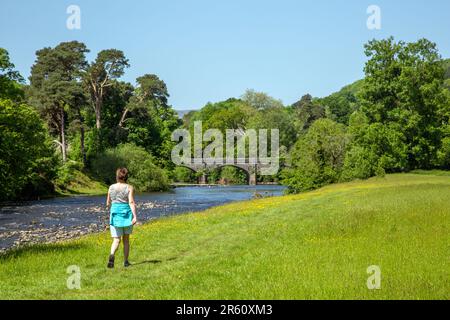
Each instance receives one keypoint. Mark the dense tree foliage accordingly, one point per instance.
(108, 66)
(318, 156)
(88, 113)
(230, 114)
(397, 119)
(79, 116)
(305, 112)
(27, 164)
(184, 175)
(149, 120)
(56, 88)
(10, 79)
(404, 97)
(260, 100)
(340, 105)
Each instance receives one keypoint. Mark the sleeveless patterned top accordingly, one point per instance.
(119, 193)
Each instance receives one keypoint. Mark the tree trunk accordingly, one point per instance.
(63, 135)
(122, 119)
(83, 150)
(98, 107)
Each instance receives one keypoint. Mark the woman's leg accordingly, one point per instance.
(115, 245)
(126, 246)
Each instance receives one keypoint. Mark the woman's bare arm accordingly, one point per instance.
(108, 200)
(132, 205)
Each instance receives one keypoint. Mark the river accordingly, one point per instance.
(62, 218)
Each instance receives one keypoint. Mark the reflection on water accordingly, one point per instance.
(61, 218)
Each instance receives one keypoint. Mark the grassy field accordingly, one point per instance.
(316, 245)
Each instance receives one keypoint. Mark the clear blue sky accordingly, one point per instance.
(210, 50)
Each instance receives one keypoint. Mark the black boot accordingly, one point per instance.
(111, 261)
(126, 264)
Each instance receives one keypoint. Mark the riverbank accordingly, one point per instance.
(62, 218)
(82, 184)
(33, 231)
(183, 184)
(309, 246)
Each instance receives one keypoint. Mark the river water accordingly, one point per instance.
(56, 219)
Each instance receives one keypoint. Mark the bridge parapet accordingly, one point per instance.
(250, 168)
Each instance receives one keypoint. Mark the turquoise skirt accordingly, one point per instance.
(121, 215)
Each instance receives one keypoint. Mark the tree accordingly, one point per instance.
(26, 157)
(151, 92)
(278, 118)
(56, 85)
(150, 87)
(187, 118)
(9, 78)
(115, 101)
(340, 105)
(374, 148)
(318, 157)
(108, 66)
(404, 91)
(150, 121)
(260, 100)
(306, 111)
(230, 114)
(79, 103)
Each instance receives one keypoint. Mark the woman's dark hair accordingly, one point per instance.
(122, 175)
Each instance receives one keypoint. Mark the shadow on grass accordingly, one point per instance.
(147, 262)
(40, 249)
(155, 261)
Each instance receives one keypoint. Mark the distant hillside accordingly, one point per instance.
(343, 103)
(182, 113)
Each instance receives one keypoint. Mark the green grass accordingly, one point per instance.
(316, 245)
(82, 184)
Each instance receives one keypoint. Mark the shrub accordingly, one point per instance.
(182, 174)
(318, 157)
(232, 175)
(66, 173)
(144, 174)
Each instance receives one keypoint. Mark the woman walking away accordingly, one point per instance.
(122, 216)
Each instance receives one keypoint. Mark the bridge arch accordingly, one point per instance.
(248, 169)
(245, 170)
(192, 178)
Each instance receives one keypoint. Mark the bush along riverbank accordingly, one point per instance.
(315, 245)
(72, 180)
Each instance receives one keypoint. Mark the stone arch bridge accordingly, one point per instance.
(250, 169)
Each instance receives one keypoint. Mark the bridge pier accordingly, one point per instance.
(203, 179)
(252, 179)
